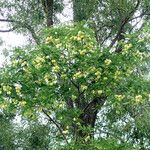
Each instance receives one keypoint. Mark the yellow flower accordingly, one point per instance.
(57, 41)
(64, 76)
(47, 78)
(83, 87)
(107, 62)
(80, 35)
(99, 92)
(22, 103)
(138, 98)
(7, 89)
(82, 52)
(14, 62)
(58, 45)
(92, 69)
(49, 40)
(119, 97)
(98, 73)
(149, 96)
(73, 97)
(61, 105)
(117, 75)
(3, 106)
(77, 75)
(65, 131)
(39, 59)
(105, 78)
(74, 119)
(79, 38)
(18, 88)
(128, 46)
(56, 69)
(54, 61)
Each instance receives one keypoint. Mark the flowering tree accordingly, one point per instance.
(70, 79)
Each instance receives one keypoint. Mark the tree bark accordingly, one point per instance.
(88, 118)
(48, 7)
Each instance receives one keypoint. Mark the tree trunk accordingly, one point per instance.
(48, 6)
(88, 119)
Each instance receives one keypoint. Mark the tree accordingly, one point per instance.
(29, 16)
(110, 19)
(77, 78)
(6, 131)
(70, 79)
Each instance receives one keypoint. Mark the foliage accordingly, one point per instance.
(7, 134)
(99, 145)
(68, 73)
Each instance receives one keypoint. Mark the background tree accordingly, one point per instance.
(29, 16)
(7, 134)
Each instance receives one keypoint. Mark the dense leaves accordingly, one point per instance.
(65, 75)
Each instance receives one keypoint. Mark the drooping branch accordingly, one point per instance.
(18, 25)
(57, 125)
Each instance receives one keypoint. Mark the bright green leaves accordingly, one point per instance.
(67, 64)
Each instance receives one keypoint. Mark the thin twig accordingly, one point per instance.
(59, 128)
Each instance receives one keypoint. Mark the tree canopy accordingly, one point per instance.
(88, 79)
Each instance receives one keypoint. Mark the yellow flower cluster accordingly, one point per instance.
(126, 48)
(82, 52)
(119, 97)
(39, 60)
(83, 87)
(99, 92)
(98, 75)
(18, 88)
(47, 78)
(107, 62)
(22, 103)
(7, 89)
(78, 75)
(78, 37)
(117, 75)
(3, 106)
(49, 40)
(50, 80)
(138, 54)
(64, 76)
(129, 72)
(56, 69)
(138, 99)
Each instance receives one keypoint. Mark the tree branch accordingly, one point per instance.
(53, 121)
(7, 20)
(8, 30)
(124, 22)
(20, 24)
